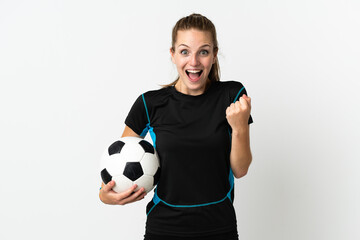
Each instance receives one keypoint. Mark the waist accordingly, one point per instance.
(206, 220)
(228, 235)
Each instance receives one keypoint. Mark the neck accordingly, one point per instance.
(178, 87)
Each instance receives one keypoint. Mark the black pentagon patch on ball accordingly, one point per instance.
(133, 170)
(147, 146)
(116, 147)
(105, 176)
(157, 176)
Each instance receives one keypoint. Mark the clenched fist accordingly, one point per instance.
(238, 113)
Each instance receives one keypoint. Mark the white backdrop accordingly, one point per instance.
(70, 71)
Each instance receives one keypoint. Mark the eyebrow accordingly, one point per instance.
(205, 45)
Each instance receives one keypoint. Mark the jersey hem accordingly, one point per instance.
(203, 234)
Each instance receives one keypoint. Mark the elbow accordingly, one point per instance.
(240, 173)
(241, 170)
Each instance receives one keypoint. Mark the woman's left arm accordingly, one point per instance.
(237, 115)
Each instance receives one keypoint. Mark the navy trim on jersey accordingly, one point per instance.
(156, 199)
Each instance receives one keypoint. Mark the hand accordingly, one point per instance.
(238, 113)
(109, 196)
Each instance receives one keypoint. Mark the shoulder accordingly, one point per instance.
(233, 89)
(154, 97)
(231, 84)
(158, 93)
(230, 87)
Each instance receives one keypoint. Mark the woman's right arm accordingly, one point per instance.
(109, 196)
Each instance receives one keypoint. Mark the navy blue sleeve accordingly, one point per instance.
(137, 118)
(236, 90)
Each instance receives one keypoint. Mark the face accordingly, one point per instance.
(193, 57)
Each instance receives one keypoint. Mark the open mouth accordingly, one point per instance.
(194, 75)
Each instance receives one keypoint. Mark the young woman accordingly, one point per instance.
(200, 128)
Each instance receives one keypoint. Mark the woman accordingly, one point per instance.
(200, 127)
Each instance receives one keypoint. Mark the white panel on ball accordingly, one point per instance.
(146, 182)
(147, 163)
(132, 152)
(115, 164)
(124, 185)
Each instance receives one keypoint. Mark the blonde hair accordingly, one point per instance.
(201, 23)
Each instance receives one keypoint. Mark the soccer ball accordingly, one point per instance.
(128, 161)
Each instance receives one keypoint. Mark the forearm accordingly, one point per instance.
(240, 155)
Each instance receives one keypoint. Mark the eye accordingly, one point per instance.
(184, 52)
(204, 52)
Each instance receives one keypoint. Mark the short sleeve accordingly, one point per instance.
(137, 118)
(236, 90)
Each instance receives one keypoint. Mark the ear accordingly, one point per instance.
(172, 55)
(215, 55)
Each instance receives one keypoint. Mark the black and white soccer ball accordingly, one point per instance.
(128, 161)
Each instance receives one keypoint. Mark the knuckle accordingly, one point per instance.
(122, 202)
(119, 198)
(138, 194)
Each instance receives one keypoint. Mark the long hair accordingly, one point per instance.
(201, 23)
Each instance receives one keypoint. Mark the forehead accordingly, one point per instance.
(193, 37)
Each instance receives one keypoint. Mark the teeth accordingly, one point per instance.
(194, 71)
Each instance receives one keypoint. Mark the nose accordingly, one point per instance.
(194, 61)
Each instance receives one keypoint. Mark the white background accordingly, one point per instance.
(70, 71)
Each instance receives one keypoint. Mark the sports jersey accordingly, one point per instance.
(195, 192)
